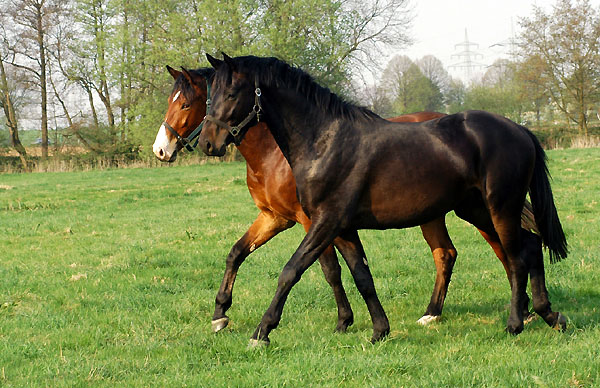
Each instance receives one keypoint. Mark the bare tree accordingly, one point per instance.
(30, 22)
(6, 102)
(567, 41)
(373, 24)
(394, 83)
(433, 68)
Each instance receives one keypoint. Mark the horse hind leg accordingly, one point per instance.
(507, 224)
(532, 248)
(333, 274)
(266, 226)
(475, 211)
(351, 249)
(493, 240)
(444, 257)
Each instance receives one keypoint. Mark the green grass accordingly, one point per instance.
(108, 278)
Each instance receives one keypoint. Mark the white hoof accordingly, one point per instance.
(257, 344)
(427, 319)
(219, 324)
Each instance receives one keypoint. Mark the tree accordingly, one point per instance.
(531, 88)
(421, 93)
(455, 96)
(33, 20)
(567, 42)
(408, 89)
(6, 102)
(496, 92)
(393, 83)
(433, 69)
(91, 70)
(333, 39)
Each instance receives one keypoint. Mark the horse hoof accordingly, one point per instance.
(427, 319)
(378, 336)
(258, 344)
(515, 330)
(219, 324)
(561, 323)
(342, 326)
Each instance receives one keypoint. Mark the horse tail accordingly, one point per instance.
(542, 200)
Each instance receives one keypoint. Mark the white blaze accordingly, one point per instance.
(176, 96)
(163, 147)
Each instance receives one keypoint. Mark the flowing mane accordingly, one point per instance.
(274, 72)
(182, 84)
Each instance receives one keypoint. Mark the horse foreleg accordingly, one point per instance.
(319, 236)
(333, 274)
(352, 250)
(266, 226)
(444, 256)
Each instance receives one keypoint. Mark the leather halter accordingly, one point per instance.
(236, 129)
(186, 142)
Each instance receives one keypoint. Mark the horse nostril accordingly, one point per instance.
(208, 146)
(161, 153)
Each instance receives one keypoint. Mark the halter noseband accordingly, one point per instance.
(235, 130)
(186, 142)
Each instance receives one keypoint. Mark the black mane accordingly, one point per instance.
(274, 72)
(182, 83)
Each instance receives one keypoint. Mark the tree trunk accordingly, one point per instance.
(11, 117)
(43, 86)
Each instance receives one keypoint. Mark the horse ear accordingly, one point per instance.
(214, 62)
(174, 73)
(227, 59)
(188, 76)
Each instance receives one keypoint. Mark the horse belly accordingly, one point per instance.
(401, 199)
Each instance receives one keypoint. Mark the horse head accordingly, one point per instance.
(187, 107)
(236, 106)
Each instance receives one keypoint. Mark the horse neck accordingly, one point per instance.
(257, 146)
(293, 123)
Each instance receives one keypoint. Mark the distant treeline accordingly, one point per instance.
(91, 73)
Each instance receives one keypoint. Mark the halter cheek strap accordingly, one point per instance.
(237, 129)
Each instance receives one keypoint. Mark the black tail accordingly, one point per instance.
(544, 210)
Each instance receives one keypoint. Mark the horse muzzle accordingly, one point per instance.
(211, 150)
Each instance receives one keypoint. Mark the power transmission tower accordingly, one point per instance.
(467, 57)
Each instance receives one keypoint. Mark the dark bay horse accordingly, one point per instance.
(355, 170)
(273, 190)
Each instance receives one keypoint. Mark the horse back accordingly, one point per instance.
(418, 172)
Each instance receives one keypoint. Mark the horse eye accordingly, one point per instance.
(231, 96)
(185, 106)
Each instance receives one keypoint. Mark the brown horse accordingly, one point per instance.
(354, 170)
(273, 189)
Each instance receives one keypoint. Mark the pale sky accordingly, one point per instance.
(440, 24)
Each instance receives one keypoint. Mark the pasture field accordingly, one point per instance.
(108, 279)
